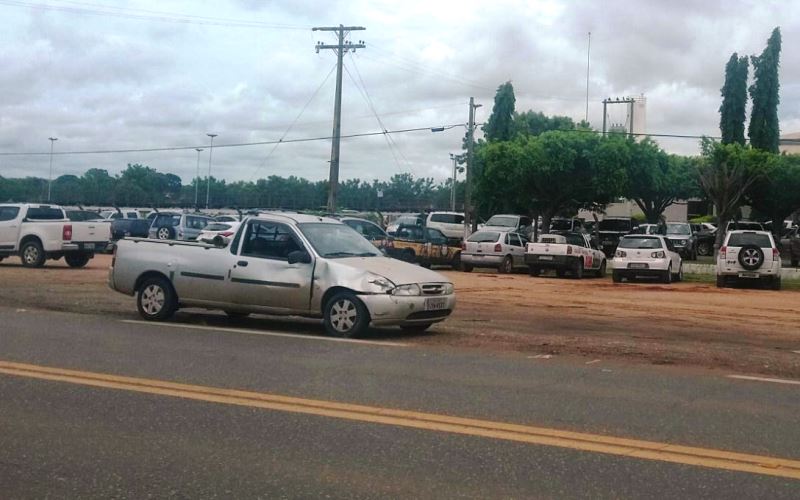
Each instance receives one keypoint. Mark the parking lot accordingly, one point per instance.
(689, 323)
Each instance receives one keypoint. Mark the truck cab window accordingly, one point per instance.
(269, 240)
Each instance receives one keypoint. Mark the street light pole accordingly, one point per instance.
(208, 181)
(453, 186)
(50, 181)
(197, 177)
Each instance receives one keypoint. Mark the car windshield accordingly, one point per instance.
(679, 229)
(337, 240)
(615, 225)
(502, 221)
(640, 243)
(742, 239)
(484, 237)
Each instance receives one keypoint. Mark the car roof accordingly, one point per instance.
(295, 218)
(748, 231)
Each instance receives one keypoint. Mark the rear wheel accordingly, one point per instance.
(77, 259)
(602, 271)
(704, 248)
(577, 269)
(721, 281)
(507, 266)
(345, 316)
(457, 262)
(156, 300)
(561, 273)
(165, 233)
(32, 254)
(467, 268)
(776, 283)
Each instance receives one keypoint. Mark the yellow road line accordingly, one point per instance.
(648, 450)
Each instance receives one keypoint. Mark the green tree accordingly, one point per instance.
(500, 125)
(726, 173)
(734, 100)
(764, 129)
(656, 179)
(536, 123)
(97, 187)
(66, 190)
(776, 193)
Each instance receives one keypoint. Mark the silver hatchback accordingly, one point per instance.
(176, 226)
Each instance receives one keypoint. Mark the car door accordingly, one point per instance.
(516, 248)
(436, 249)
(9, 227)
(262, 275)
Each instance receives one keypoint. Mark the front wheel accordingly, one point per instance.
(602, 271)
(165, 233)
(577, 269)
(345, 316)
(679, 276)
(616, 276)
(77, 260)
(157, 300)
(467, 268)
(667, 276)
(32, 254)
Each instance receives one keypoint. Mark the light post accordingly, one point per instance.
(50, 181)
(455, 158)
(197, 177)
(208, 183)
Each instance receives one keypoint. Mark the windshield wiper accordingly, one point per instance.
(350, 254)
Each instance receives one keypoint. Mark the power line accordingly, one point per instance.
(148, 15)
(264, 162)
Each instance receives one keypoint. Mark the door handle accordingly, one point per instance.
(242, 263)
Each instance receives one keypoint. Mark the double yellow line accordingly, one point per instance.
(633, 448)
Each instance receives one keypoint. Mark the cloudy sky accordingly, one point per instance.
(112, 75)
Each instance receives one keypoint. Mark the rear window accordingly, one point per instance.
(196, 222)
(167, 220)
(575, 239)
(216, 226)
(615, 225)
(643, 243)
(45, 213)
(561, 225)
(447, 218)
(742, 239)
(8, 213)
(501, 220)
(484, 237)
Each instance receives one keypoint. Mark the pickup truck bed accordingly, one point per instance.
(571, 253)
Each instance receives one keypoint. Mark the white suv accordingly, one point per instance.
(449, 223)
(750, 255)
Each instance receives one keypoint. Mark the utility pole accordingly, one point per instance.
(625, 100)
(341, 49)
(50, 181)
(197, 177)
(468, 222)
(453, 186)
(208, 181)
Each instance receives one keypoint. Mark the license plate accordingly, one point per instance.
(748, 275)
(545, 257)
(435, 304)
(638, 265)
(89, 246)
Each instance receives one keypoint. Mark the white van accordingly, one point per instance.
(451, 224)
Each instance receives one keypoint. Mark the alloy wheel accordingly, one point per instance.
(343, 315)
(153, 299)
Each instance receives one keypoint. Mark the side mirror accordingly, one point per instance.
(299, 257)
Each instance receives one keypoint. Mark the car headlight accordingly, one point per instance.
(658, 255)
(449, 288)
(382, 283)
(621, 253)
(412, 289)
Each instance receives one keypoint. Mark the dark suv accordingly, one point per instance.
(611, 229)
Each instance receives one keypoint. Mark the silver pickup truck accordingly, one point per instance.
(288, 264)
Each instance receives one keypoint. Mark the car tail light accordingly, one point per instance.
(776, 254)
(658, 255)
(723, 252)
(569, 250)
(498, 247)
(226, 234)
(620, 253)
(66, 233)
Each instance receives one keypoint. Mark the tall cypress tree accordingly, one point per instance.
(734, 100)
(764, 130)
(500, 126)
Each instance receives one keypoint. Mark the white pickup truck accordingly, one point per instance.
(571, 252)
(39, 232)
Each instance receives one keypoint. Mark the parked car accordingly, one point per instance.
(750, 256)
(611, 229)
(503, 250)
(573, 253)
(404, 220)
(790, 245)
(37, 232)
(176, 226)
(683, 239)
(649, 229)
(120, 214)
(519, 224)
(426, 246)
(369, 230)
(640, 255)
(295, 264)
(226, 218)
(218, 233)
(451, 224)
(706, 235)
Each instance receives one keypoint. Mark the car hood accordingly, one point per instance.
(497, 228)
(396, 271)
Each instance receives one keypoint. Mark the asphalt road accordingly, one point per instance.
(68, 429)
